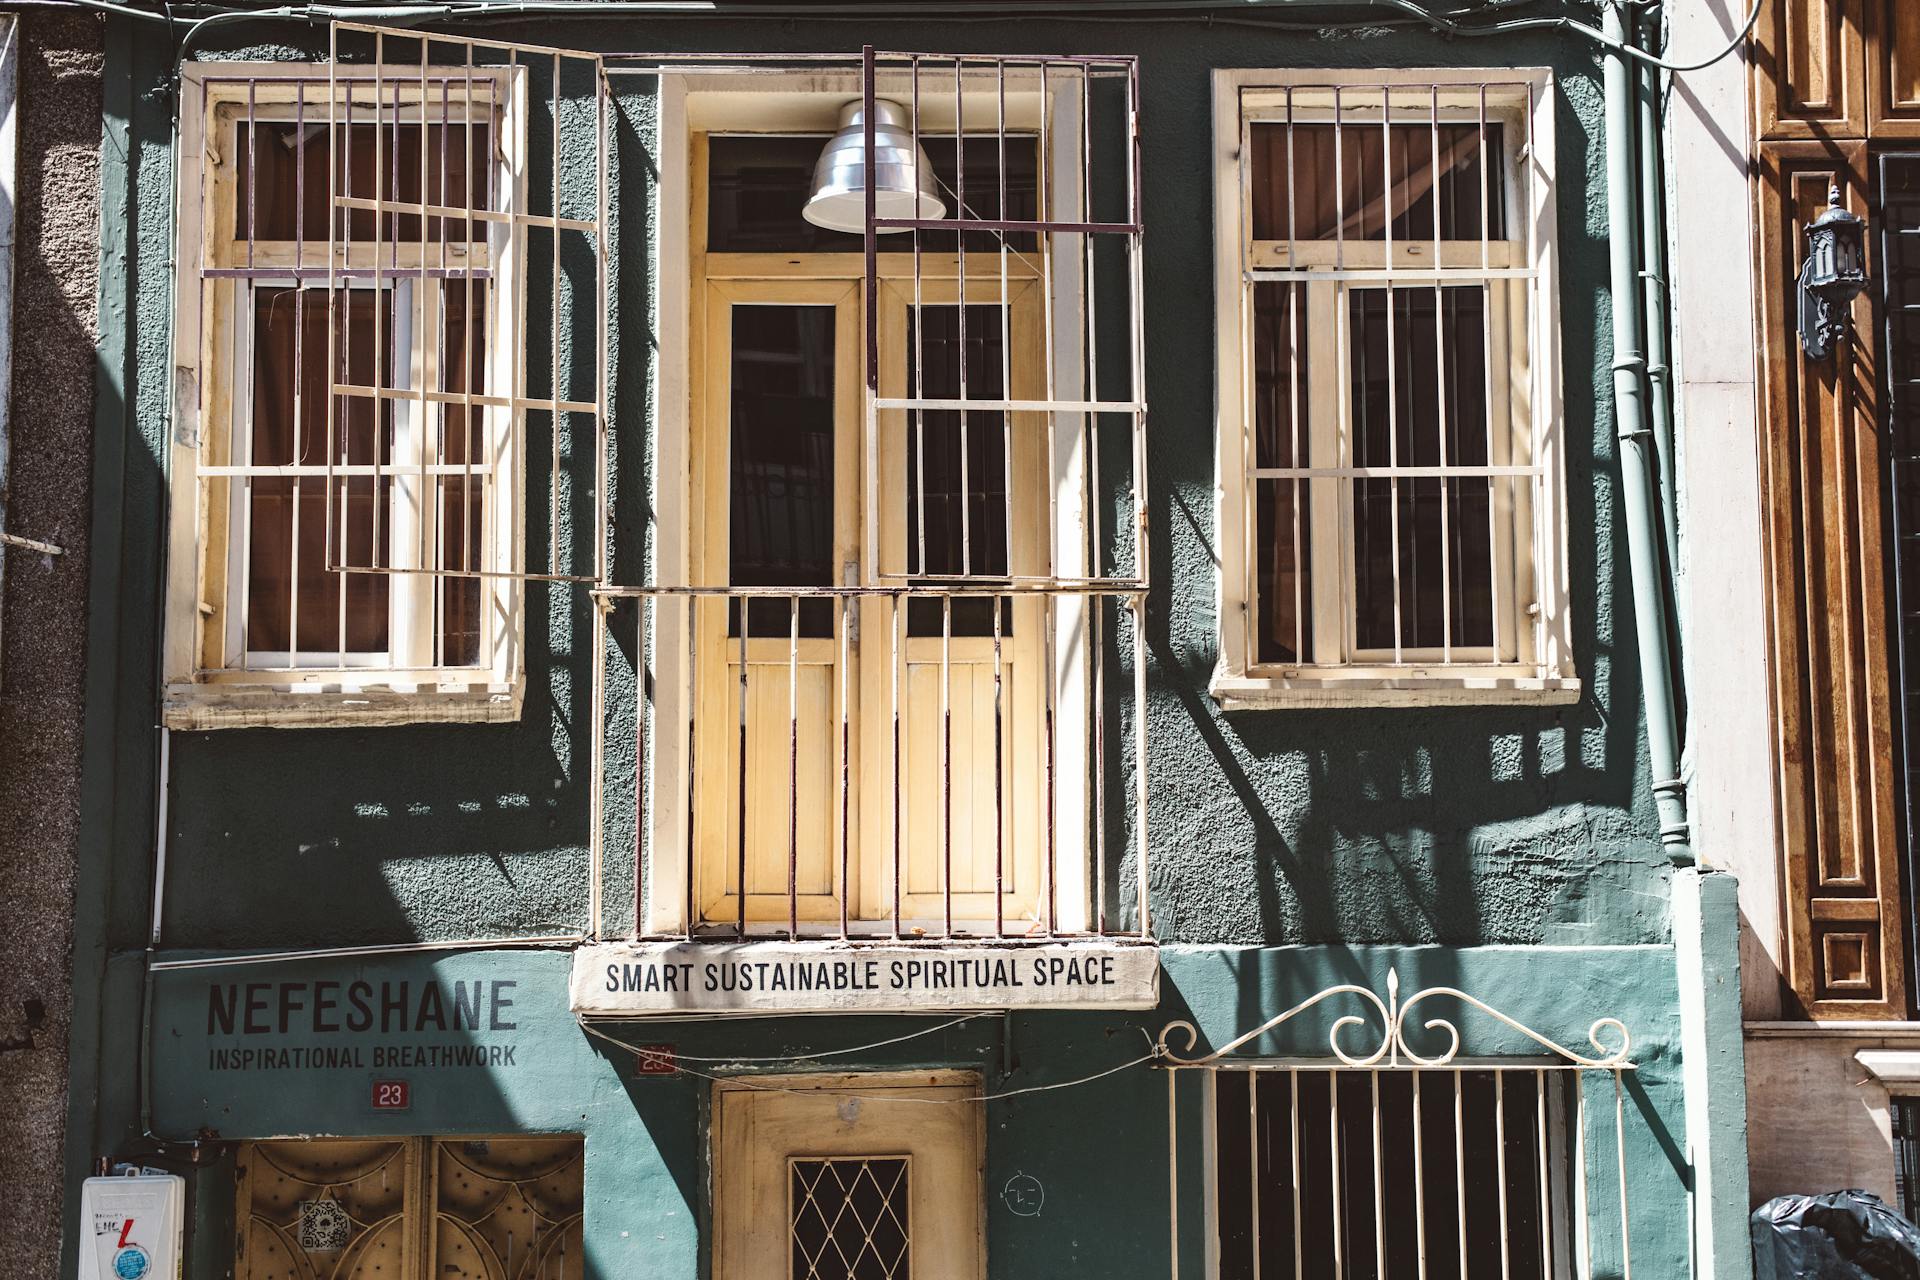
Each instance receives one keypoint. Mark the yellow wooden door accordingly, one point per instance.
(972, 802)
(777, 468)
(832, 1177)
(951, 713)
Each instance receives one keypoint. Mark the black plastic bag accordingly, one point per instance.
(1843, 1235)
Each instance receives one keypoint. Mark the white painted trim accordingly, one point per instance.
(394, 691)
(668, 806)
(1237, 684)
(1730, 764)
(1461, 686)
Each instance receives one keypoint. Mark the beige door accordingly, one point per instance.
(874, 1177)
(972, 694)
(779, 461)
(776, 464)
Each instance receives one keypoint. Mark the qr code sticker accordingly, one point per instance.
(324, 1226)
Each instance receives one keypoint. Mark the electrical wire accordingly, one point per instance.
(553, 942)
(808, 1057)
(1446, 21)
(1154, 1051)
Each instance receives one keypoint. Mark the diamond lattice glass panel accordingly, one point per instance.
(849, 1219)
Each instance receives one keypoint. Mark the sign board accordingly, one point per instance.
(627, 979)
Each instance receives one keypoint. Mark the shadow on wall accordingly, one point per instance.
(1461, 825)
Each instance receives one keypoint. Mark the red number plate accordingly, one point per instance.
(656, 1060)
(391, 1095)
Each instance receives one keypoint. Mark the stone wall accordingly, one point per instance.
(43, 612)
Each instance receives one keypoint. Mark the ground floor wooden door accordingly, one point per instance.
(882, 749)
(849, 1177)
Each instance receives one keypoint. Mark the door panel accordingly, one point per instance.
(986, 529)
(777, 460)
(843, 1176)
(1811, 57)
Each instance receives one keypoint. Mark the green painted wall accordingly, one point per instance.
(1456, 825)
(1323, 830)
(1099, 1149)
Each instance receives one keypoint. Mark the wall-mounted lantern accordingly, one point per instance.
(1834, 274)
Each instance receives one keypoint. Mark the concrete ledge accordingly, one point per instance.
(1894, 1068)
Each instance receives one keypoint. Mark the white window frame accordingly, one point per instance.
(1533, 661)
(219, 683)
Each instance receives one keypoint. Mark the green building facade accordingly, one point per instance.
(339, 931)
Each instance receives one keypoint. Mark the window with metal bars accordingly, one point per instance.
(1905, 1115)
(354, 403)
(1389, 1173)
(1392, 502)
(1899, 270)
(304, 299)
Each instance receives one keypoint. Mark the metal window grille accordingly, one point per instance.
(1391, 1162)
(1899, 226)
(1398, 445)
(399, 316)
(534, 239)
(985, 777)
(849, 1217)
(1905, 1115)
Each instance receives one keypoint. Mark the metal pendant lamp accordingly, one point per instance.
(839, 199)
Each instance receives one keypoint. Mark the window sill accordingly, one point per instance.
(329, 705)
(1426, 689)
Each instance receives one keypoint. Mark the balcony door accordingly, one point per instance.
(881, 754)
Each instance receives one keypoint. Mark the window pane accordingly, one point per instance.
(1419, 398)
(757, 185)
(290, 350)
(956, 478)
(463, 497)
(273, 568)
(782, 496)
(1283, 512)
(1905, 1114)
(282, 174)
(1340, 180)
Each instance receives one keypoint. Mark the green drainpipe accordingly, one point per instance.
(1637, 462)
(1653, 249)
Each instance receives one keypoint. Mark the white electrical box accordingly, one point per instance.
(132, 1228)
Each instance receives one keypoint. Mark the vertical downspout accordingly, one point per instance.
(1653, 276)
(1637, 463)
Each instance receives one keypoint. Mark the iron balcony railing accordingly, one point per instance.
(958, 762)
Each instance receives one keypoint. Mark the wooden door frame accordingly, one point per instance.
(925, 1100)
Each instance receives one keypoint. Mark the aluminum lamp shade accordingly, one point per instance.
(839, 199)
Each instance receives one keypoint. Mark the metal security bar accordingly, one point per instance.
(1080, 235)
(908, 771)
(1899, 226)
(1398, 444)
(1398, 1163)
(942, 734)
(474, 387)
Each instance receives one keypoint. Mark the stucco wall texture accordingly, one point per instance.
(1452, 825)
(43, 626)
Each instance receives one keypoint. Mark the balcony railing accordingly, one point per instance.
(955, 762)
